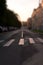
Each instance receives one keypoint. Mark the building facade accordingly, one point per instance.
(37, 17)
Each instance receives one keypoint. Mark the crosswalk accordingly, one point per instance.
(31, 40)
(1, 41)
(22, 41)
(9, 43)
(41, 40)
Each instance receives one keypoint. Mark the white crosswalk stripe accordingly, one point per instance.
(31, 41)
(9, 43)
(1, 41)
(21, 42)
(41, 40)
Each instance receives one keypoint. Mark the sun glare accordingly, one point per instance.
(23, 8)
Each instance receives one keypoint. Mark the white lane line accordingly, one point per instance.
(22, 34)
(31, 40)
(1, 41)
(41, 40)
(9, 42)
(21, 42)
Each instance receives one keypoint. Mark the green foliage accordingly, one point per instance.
(2, 12)
(2, 7)
(7, 17)
(12, 19)
(38, 31)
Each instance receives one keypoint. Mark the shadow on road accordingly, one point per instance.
(28, 52)
(16, 55)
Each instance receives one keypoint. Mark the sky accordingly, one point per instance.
(23, 8)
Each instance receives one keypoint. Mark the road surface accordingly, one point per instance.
(21, 47)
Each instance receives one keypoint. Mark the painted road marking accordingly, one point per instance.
(22, 34)
(31, 40)
(21, 42)
(1, 41)
(41, 40)
(9, 42)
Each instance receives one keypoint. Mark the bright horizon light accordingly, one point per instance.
(23, 8)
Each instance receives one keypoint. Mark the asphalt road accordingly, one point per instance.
(21, 47)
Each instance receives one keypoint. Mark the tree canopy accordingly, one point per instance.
(8, 17)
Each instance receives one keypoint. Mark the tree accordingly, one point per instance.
(2, 12)
(7, 17)
(12, 19)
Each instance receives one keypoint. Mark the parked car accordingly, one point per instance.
(11, 28)
(3, 29)
(0, 28)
